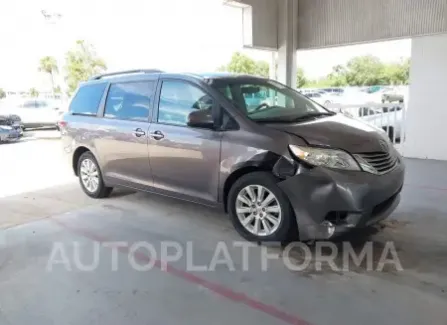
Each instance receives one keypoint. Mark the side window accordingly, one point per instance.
(178, 99)
(87, 99)
(226, 91)
(257, 95)
(129, 100)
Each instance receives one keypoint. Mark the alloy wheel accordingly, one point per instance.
(258, 210)
(89, 175)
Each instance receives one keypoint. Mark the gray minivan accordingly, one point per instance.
(284, 166)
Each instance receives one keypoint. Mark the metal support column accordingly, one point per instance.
(287, 41)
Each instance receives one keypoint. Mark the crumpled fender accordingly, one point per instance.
(313, 192)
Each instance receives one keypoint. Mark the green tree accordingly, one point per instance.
(241, 63)
(301, 79)
(262, 68)
(82, 62)
(33, 92)
(48, 64)
(338, 77)
(319, 83)
(2, 93)
(398, 73)
(365, 70)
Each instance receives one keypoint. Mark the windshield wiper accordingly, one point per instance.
(293, 120)
(312, 115)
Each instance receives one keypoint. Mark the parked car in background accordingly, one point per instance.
(10, 128)
(372, 89)
(392, 95)
(321, 98)
(351, 100)
(333, 90)
(35, 113)
(12, 121)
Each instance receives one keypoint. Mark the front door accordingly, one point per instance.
(122, 141)
(184, 160)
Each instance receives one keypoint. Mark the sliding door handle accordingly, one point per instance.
(157, 135)
(139, 132)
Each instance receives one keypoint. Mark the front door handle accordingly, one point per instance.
(139, 132)
(157, 135)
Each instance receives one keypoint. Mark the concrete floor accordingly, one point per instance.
(35, 223)
(32, 163)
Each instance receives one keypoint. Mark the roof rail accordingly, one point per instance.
(110, 74)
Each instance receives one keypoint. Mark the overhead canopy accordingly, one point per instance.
(325, 23)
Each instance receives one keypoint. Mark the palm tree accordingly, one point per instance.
(33, 92)
(48, 64)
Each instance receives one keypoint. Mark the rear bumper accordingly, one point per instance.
(328, 202)
(35, 125)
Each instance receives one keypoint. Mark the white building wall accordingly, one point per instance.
(426, 118)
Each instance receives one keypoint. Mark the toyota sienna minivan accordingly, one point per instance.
(279, 165)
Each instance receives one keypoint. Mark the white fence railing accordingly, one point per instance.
(387, 116)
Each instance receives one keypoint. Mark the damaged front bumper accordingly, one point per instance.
(329, 202)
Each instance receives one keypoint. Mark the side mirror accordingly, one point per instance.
(202, 118)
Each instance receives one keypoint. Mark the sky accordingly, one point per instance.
(172, 35)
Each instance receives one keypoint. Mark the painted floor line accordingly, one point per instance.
(234, 296)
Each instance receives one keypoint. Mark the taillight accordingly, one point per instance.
(62, 124)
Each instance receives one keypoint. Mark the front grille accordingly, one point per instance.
(381, 162)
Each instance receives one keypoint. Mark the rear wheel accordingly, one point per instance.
(90, 177)
(258, 208)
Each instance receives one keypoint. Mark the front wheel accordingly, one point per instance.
(90, 177)
(259, 209)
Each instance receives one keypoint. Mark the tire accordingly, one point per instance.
(286, 225)
(99, 191)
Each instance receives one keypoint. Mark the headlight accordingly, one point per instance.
(330, 158)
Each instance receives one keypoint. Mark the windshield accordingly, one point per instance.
(268, 100)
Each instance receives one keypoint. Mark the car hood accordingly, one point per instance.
(337, 131)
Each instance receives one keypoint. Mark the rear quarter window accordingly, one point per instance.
(87, 99)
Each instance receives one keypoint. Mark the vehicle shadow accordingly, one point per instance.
(40, 134)
(121, 192)
(387, 249)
